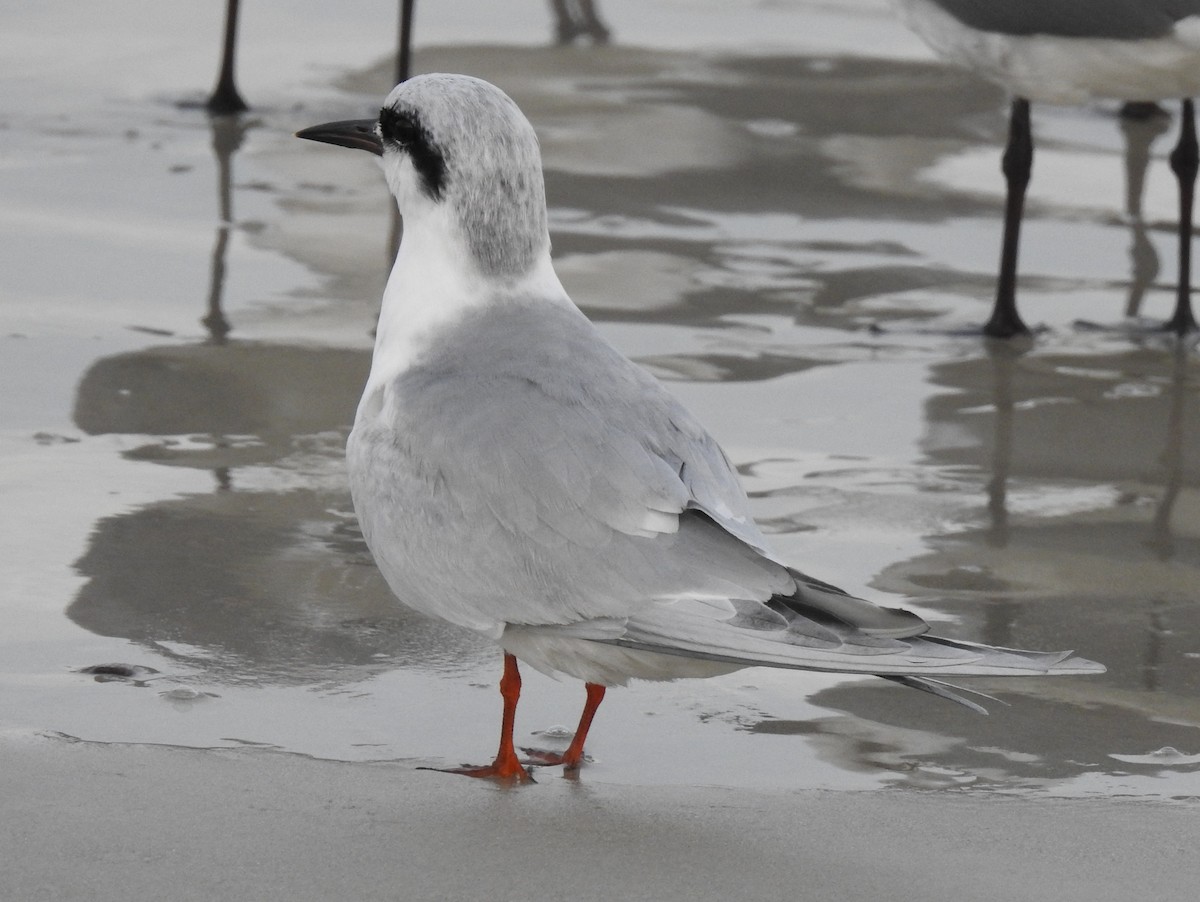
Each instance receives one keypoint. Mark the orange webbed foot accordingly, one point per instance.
(506, 770)
(548, 758)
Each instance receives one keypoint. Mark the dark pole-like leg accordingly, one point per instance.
(404, 41)
(564, 23)
(1005, 322)
(403, 71)
(598, 30)
(575, 18)
(225, 98)
(1185, 160)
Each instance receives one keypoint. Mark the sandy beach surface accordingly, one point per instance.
(787, 210)
(130, 822)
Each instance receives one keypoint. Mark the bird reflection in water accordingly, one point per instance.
(228, 132)
(1141, 125)
(1117, 431)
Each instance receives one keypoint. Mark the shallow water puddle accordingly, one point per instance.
(181, 384)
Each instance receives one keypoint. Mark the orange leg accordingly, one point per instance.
(573, 756)
(506, 766)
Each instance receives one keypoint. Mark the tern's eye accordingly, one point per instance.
(403, 130)
(399, 128)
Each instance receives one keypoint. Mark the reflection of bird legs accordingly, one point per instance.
(1185, 160)
(227, 135)
(1003, 359)
(1161, 540)
(1172, 459)
(507, 766)
(1141, 124)
(1157, 630)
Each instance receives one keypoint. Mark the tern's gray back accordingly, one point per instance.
(518, 468)
(1116, 19)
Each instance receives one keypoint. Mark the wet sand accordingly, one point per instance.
(114, 823)
(793, 218)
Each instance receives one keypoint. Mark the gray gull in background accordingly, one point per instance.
(1069, 52)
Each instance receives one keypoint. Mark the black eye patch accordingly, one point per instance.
(403, 130)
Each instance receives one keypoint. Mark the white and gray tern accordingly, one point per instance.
(516, 475)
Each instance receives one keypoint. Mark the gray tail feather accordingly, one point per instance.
(1052, 662)
(948, 691)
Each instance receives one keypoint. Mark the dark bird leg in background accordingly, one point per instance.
(1173, 457)
(595, 29)
(404, 41)
(1004, 364)
(1005, 322)
(1185, 159)
(225, 98)
(403, 71)
(577, 18)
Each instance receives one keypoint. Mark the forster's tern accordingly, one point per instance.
(1073, 51)
(516, 475)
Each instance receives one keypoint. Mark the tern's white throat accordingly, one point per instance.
(464, 166)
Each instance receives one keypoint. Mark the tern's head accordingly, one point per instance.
(456, 145)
